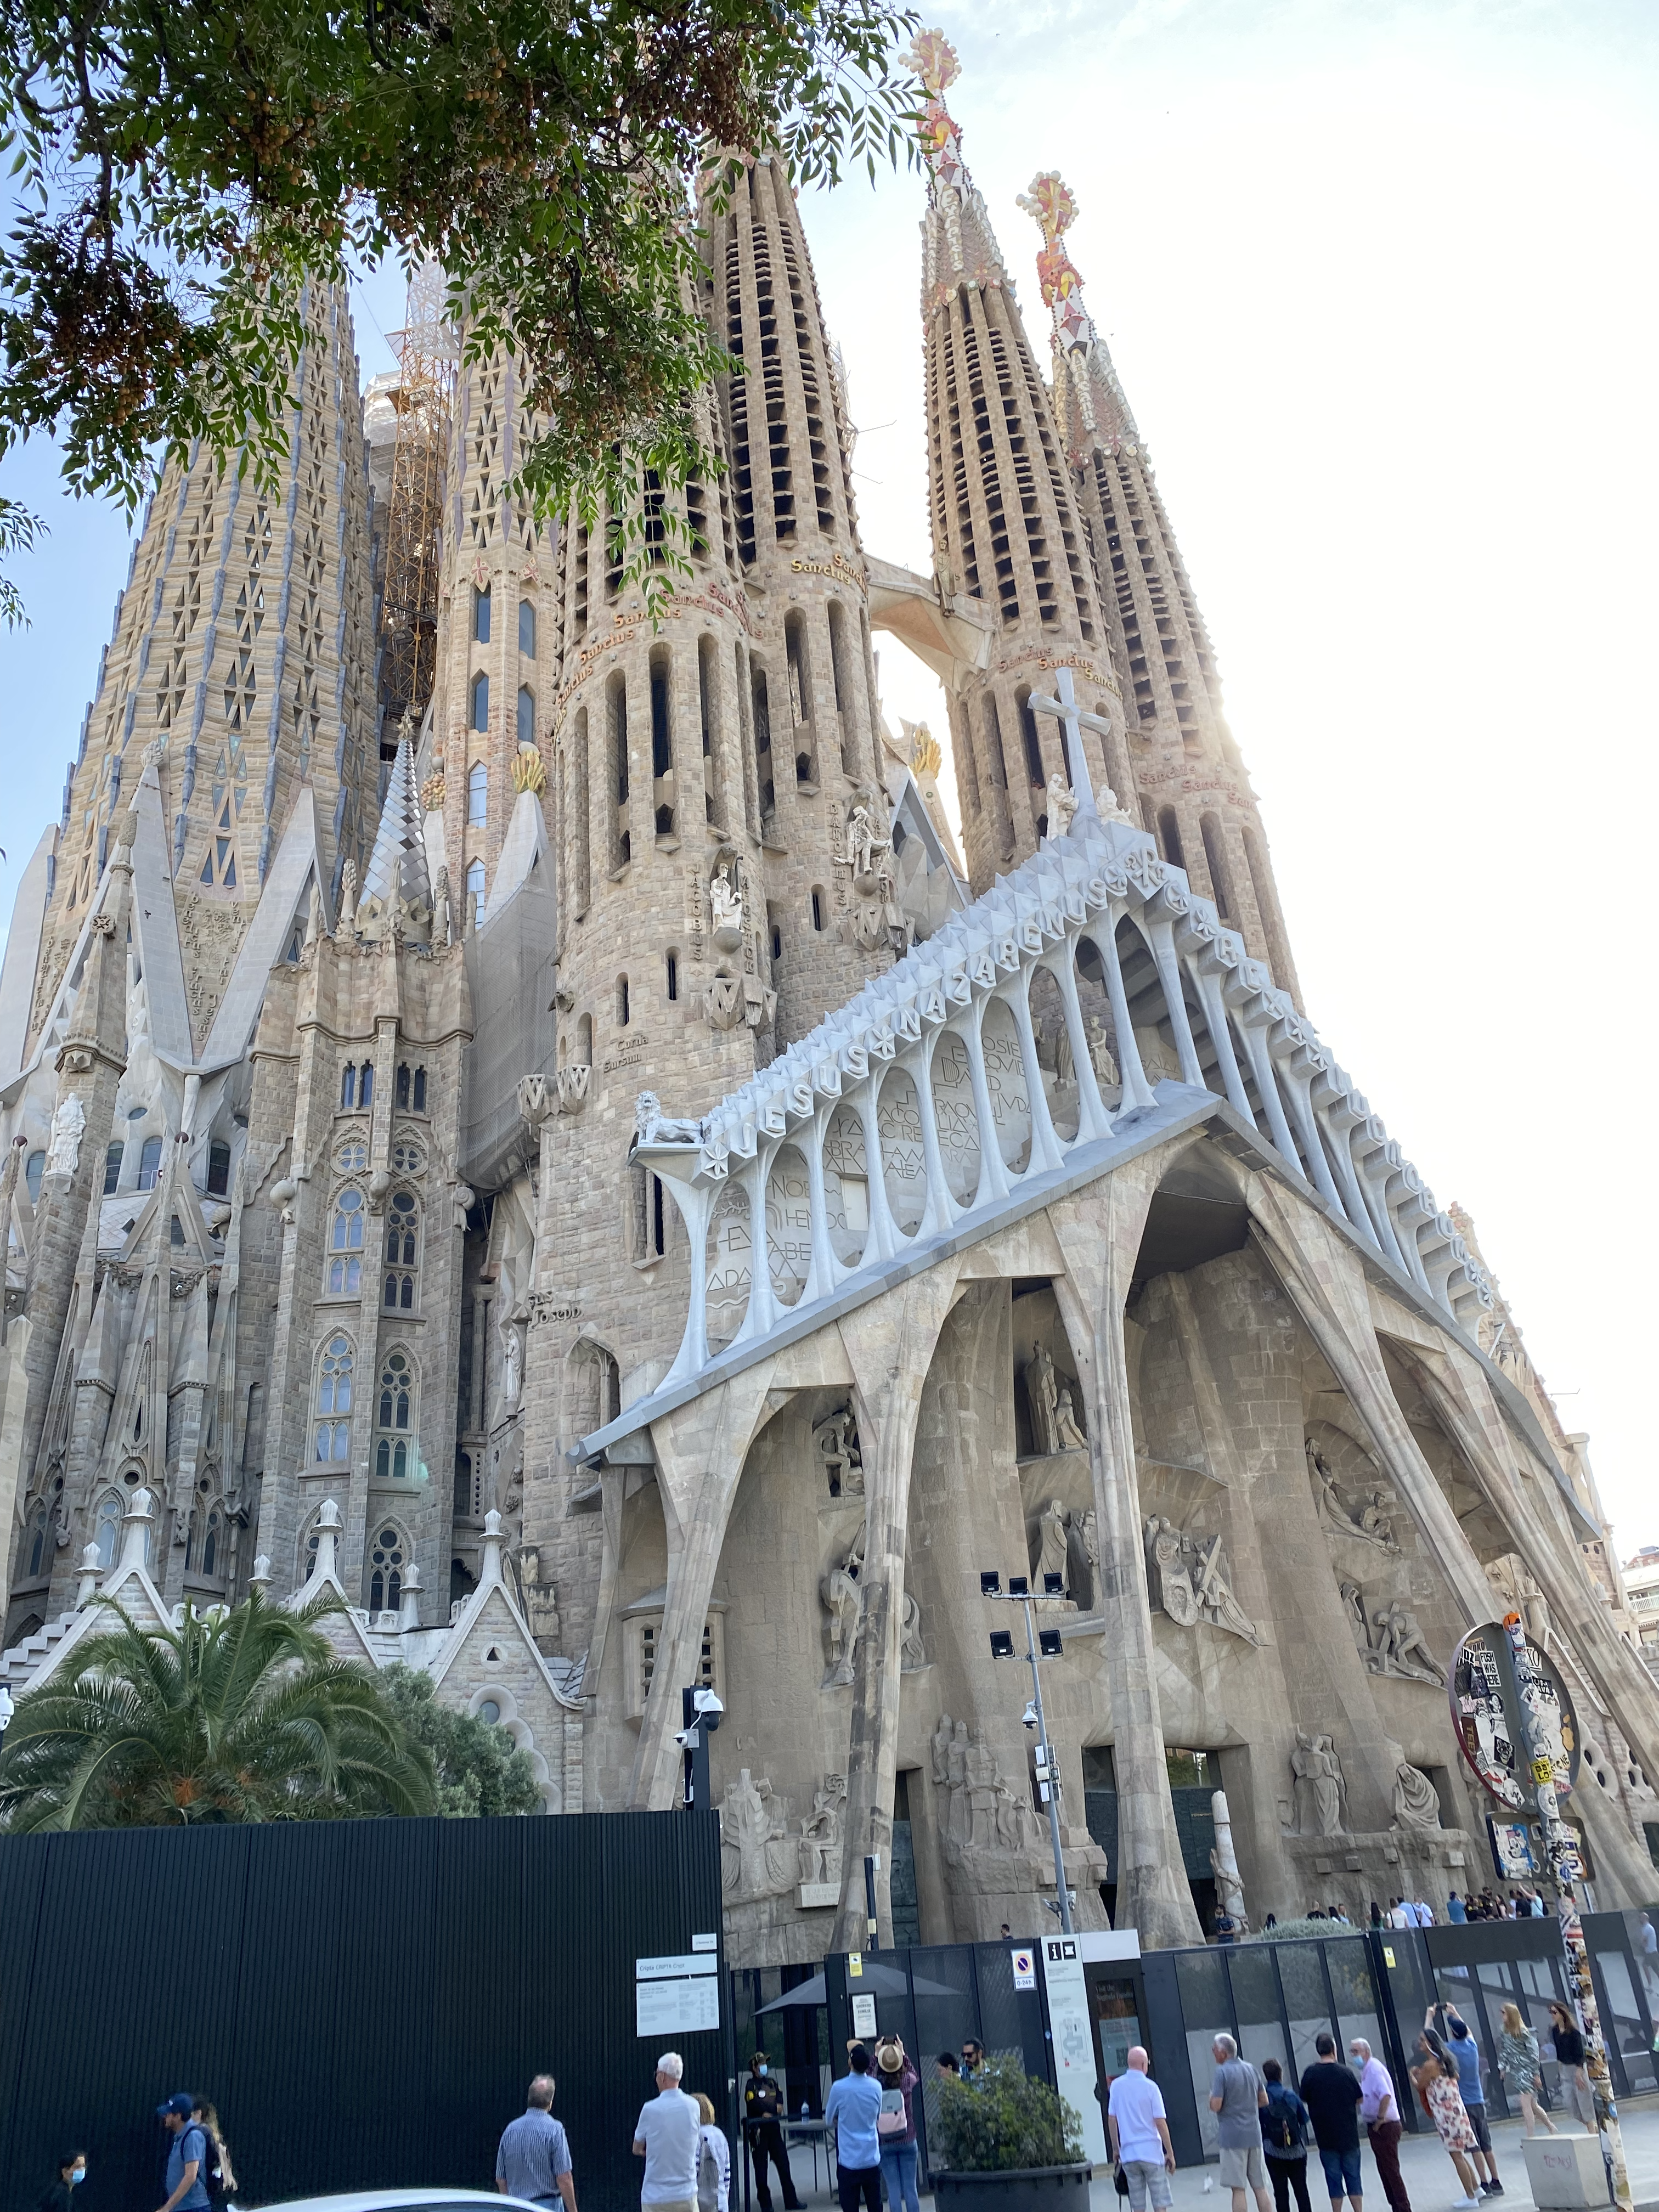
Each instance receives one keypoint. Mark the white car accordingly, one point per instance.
(409, 2200)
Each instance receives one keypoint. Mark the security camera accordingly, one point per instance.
(688, 1739)
(1029, 1716)
(709, 1709)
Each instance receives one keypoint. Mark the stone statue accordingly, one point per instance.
(1100, 1053)
(1224, 1863)
(64, 1148)
(155, 752)
(1214, 1591)
(725, 908)
(1317, 1785)
(1084, 1559)
(981, 1783)
(1071, 1436)
(756, 1857)
(1353, 1605)
(541, 1602)
(842, 1594)
(1051, 1540)
(1016, 1822)
(346, 919)
(940, 1751)
(1061, 804)
(865, 845)
(652, 1127)
(440, 909)
(1041, 1397)
(821, 1831)
(959, 1824)
(912, 1651)
(1401, 1636)
(1169, 1582)
(512, 1366)
(1371, 1524)
(1416, 1803)
(837, 1441)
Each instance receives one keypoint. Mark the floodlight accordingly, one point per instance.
(1054, 1585)
(1002, 1644)
(1019, 1586)
(1049, 1645)
(990, 1582)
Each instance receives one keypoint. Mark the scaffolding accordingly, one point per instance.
(422, 397)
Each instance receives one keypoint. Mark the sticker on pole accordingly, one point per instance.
(1487, 1684)
(1024, 1966)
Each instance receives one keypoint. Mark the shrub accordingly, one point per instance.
(1002, 2117)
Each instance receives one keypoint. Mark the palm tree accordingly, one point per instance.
(240, 1714)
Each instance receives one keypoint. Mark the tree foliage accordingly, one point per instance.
(186, 169)
(480, 1771)
(1000, 2117)
(238, 1714)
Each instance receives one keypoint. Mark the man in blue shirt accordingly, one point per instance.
(533, 2159)
(187, 2158)
(1466, 2051)
(851, 2111)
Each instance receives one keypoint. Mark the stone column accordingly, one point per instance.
(1099, 1231)
(890, 1342)
(700, 1448)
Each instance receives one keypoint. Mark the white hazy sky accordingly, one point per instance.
(1378, 280)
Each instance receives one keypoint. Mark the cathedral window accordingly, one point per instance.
(218, 869)
(400, 1095)
(207, 1523)
(622, 1002)
(35, 1167)
(112, 1167)
(674, 967)
(345, 1245)
(402, 1235)
(150, 1164)
(475, 890)
(106, 1528)
(387, 1556)
(481, 701)
(527, 627)
(481, 613)
(1028, 730)
(218, 1172)
(366, 1084)
(38, 1542)
(526, 715)
(394, 1449)
(817, 906)
(352, 1157)
(616, 705)
(407, 1157)
(1209, 828)
(478, 794)
(1169, 838)
(333, 1426)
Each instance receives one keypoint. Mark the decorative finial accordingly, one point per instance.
(529, 771)
(933, 60)
(1052, 207)
(926, 758)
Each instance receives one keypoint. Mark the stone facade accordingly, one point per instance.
(651, 1218)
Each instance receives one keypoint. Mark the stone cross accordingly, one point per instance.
(1074, 721)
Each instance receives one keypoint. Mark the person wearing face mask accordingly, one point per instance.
(60, 2194)
(763, 2119)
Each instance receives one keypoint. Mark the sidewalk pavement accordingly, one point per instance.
(1431, 2180)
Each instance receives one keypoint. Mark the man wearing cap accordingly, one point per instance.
(667, 2137)
(187, 2183)
(762, 2117)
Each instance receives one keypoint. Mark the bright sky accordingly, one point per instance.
(1378, 281)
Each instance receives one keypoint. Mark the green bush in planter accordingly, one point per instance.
(1002, 2117)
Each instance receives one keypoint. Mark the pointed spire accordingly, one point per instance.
(961, 246)
(1088, 398)
(397, 894)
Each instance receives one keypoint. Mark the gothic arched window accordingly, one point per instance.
(526, 715)
(394, 1452)
(38, 1542)
(527, 627)
(112, 1167)
(334, 1400)
(106, 1528)
(481, 701)
(477, 788)
(388, 1555)
(402, 1235)
(345, 1245)
(475, 889)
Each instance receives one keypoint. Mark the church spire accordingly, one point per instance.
(397, 895)
(1179, 761)
(1007, 528)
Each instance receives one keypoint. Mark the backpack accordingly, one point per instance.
(1280, 2128)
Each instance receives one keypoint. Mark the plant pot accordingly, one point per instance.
(1019, 2188)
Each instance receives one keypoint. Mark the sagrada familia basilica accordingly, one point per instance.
(580, 1162)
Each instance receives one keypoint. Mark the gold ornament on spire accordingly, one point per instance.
(933, 60)
(529, 771)
(1050, 205)
(926, 758)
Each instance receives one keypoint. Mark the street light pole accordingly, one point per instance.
(1047, 1777)
(1561, 1848)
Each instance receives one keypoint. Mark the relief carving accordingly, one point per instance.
(1188, 1576)
(1317, 1787)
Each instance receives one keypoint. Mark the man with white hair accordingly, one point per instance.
(666, 2138)
(1237, 2095)
(1140, 2134)
(1379, 2109)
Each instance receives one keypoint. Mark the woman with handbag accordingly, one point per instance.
(713, 2162)
(1285, 2139)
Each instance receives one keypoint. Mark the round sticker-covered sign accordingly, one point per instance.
(1486, 1678)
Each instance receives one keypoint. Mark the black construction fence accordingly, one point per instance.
(366, 2002)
